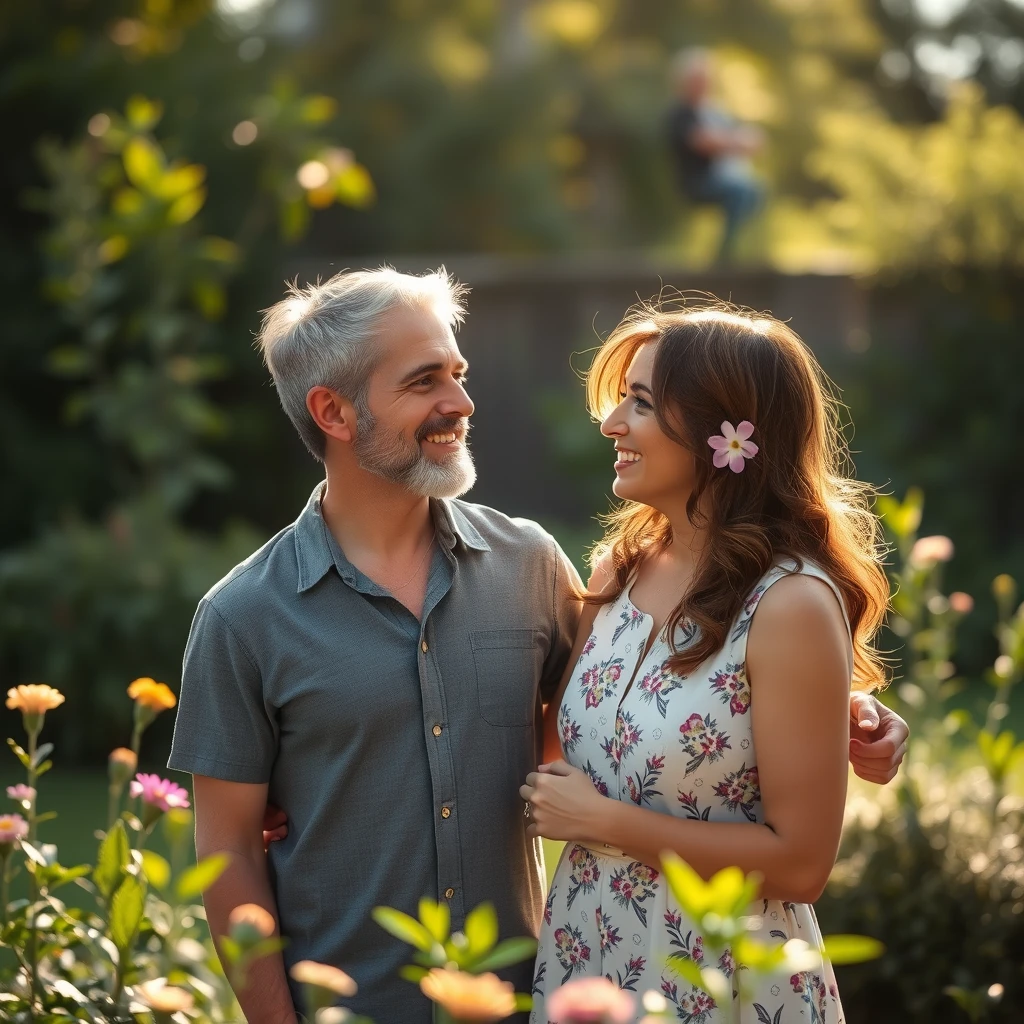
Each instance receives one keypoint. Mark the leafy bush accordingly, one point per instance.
(933, 865)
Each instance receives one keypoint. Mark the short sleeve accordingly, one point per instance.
(222, 728)
(566, 588)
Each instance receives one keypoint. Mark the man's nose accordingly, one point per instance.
(457, 402)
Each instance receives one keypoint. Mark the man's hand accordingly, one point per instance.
(275, 825)
(878, 739)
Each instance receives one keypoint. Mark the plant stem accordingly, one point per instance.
(33, 937)
(5, 880)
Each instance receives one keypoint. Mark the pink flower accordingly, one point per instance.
(158, 792)
(21, 792)
(929, 551)
(732, 446)
(961, 603)
(587, 1000)
(12, 828)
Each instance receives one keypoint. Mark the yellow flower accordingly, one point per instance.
(164, 998)
(249, 923)
(152, 694)
(309, 972)
(468, 997)
(34, 699)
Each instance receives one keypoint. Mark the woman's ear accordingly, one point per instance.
(333, 414)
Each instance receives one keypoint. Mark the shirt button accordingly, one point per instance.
(436, 730)
(446, 812)
(423, 647)
(449, 893)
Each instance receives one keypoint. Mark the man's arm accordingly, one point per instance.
(229, 819)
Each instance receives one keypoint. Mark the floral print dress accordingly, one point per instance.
(679, 745)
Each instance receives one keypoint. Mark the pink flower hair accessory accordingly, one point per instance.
(732, 446)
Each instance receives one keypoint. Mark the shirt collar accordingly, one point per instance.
(315, 548)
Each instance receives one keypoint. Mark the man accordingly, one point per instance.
(710, 149)
(378, 668)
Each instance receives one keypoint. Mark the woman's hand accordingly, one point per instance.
(563, 803)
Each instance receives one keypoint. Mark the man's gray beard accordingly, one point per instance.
(390, 456)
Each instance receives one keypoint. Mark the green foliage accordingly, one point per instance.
(932, 866)
(475, 950)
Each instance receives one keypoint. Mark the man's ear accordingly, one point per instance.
(333, 414)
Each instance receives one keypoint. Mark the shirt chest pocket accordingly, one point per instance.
(508, 665)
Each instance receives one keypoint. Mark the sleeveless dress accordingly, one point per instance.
(679, 745)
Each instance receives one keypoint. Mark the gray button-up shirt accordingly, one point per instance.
(395, 746)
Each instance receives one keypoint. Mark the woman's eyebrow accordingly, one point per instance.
(637, 386)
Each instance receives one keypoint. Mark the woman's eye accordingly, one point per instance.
(641, 404)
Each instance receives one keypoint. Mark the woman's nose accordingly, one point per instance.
(612, 425)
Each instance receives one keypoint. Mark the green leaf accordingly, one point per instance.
(111, 860)
(142, 113)
(403, 927)
(354, 187)
(716, 984)
(177, 181)
(199, 878)
(33, 853)
(48, 816)
(156, 869)
(219, 250)
(851, 949)
(687, 886)
(294, 215)
(18, 753)
(183, 209)
(524, 1002)
(44, 768)
(210, 299)
(436, 918)
(511, 951)
(143, 163)
(317, 109)
(126, 913)
(413, 974)
(481, 930)
(62, 876)
(688, 970)
(41, 754)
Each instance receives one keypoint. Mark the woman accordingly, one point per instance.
(733, 601)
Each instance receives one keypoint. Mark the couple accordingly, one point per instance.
(379, 668)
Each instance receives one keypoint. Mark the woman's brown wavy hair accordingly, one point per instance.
(795, 499)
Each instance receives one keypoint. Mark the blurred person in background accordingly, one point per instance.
(710, 149)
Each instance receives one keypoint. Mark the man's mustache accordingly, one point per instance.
(458, 425)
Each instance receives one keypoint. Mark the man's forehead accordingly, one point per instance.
(415, 337)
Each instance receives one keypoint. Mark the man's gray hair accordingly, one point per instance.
(323, 334)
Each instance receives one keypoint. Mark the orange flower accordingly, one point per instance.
(34, 699)
(164, 998)
(249, 923)
(151, 694)
(468, 997)
(121, 765)
(309, 972)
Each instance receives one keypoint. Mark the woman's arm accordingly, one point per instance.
(600, 578)
(798, 664)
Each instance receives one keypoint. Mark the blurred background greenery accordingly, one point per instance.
(167, 163)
